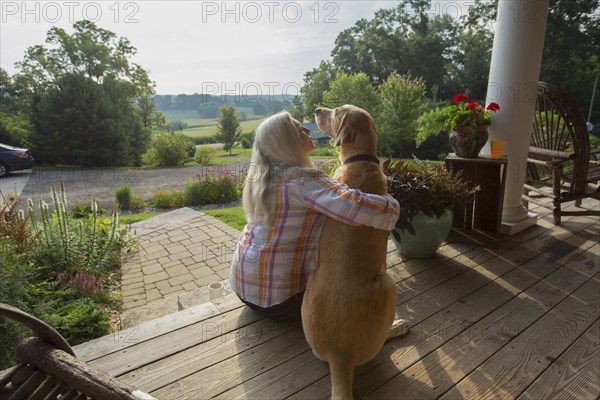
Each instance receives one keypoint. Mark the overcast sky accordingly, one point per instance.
(204, 46)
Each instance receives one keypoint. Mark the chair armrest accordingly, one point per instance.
(39, 327)
(76, 374)
(560, 155)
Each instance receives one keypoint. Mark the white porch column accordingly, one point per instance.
(514, 73)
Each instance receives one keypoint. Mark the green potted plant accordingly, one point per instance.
(427, 195)
(467, 122)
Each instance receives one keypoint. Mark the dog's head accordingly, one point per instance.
(347, 124)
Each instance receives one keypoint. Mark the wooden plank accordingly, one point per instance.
(125, 338)
(575, 374)
(459, 321)
(154, 375)
(227, 303)
(192, 385)
(154, 349)
(196, 383)
(289, 377)
(213, 366)
(509, 371)
(235, 371)
(459, 351)
(427, 335)
(415, 309)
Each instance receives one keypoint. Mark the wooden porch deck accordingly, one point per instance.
(517, 320)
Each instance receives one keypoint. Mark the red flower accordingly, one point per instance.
(460, 98)
(473, 105)
(493, 107)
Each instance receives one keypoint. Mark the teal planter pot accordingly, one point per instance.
(430, 234)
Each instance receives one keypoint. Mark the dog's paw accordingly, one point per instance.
(399, 327)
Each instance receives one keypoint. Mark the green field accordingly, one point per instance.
(209, 130)
(203, 127)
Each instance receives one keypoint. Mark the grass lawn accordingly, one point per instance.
(131, 218)
(233, 216)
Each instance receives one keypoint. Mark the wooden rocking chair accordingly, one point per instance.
(559, 155)
(48, 369)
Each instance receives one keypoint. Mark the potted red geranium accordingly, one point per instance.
(468, 122)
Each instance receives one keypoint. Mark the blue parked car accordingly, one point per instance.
(14, 159)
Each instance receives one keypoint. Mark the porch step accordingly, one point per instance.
(165, 306)
(155, 327)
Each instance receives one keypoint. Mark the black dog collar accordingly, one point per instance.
(362, 157)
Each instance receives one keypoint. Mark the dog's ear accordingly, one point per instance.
(345, 133)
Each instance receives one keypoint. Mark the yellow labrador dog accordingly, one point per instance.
(349, 305)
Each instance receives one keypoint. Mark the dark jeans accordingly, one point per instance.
(280, 312)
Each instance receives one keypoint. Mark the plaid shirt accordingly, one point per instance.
(272, 263)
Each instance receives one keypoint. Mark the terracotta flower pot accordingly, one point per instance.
(467, 141)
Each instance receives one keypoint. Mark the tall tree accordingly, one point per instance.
(400, 105)
(571, 57)
(90, 51)
(353, 89)
(571, 46)
(15, 126)
(100, 64)
(316, 84)
(229, 131)
(297, 108)
(403, 39)
(82, 122)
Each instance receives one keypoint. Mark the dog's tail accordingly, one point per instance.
(342, 374)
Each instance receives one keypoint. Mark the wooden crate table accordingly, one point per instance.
(484, 213)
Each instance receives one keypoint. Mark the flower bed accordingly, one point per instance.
(62, 270)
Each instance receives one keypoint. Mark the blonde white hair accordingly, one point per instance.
(277, 146)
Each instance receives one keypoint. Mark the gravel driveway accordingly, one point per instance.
(84, 184)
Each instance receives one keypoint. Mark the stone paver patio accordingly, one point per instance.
(179, 253)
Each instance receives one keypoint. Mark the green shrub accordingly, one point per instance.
(202, 139)
(78, 321)
(247, 140)
(168, 199)
(14, 223)
(324, 151)
(123, 195)
(190, 148)
(211, 190)
(138, 203)
(168, 149)
(205, 154)
(14, 279)
(92, 244)
(82, 210)
(64, 274)
(126, 200)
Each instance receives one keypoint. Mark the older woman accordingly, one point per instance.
(286, 201)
